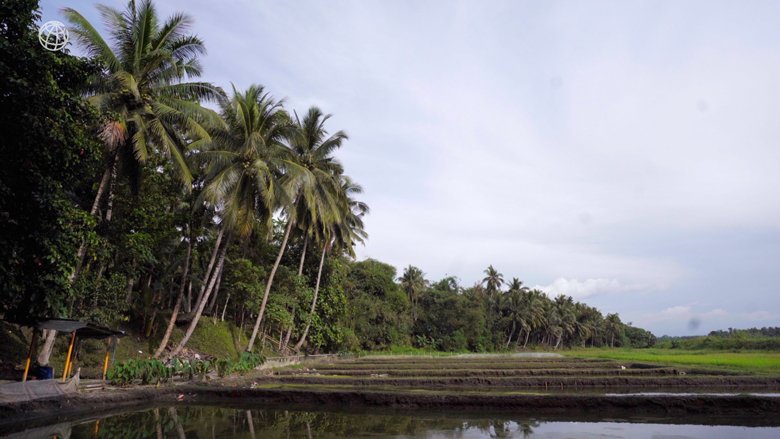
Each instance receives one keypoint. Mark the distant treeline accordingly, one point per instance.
(772, 331)
(767, 338)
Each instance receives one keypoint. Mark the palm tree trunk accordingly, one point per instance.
(224, 308)
(110, 205)
(268, 286)
(188, 303)
(201, 306)
(527, 334)
(511, 333)
(289, 331)
(179, 299)
(303, 255)
(208, 274)
(48, 345)
(93, 211)
(314, 301)
(213, 301)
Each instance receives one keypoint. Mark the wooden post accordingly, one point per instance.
(33, 345)
(76, 354)
(67, 359)
(105, 359)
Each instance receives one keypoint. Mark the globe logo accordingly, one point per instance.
(53, 35)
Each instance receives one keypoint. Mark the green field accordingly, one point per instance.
(755, 361)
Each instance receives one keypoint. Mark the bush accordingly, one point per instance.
(246, 362)
(153, 371)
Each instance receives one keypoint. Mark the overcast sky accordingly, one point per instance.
(623, 152)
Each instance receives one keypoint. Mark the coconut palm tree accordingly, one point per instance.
(144, 92)
(310, 182)
(413, 283)
(613, 327)
(562, 322)
(493, 280)
(342, 234)
(151, 104)
(513, 301)
(243, 158)
(533, 314)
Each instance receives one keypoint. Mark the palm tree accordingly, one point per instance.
(413, 283)
(516, 285)
(513, 303)
(563, 319)
(613, 327)
(150, 108)
(309, 182)
(343, 234)
(514, 307)
(241, 178)
(533, 315)
(493, 280)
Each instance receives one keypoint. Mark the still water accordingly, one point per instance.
(214, 422)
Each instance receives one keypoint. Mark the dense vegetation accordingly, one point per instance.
(731, 339)
(125, 201)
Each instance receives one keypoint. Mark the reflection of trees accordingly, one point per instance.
(498, 428)
(527, 427)
(180, 422)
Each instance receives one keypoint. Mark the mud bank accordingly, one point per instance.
(715, 409)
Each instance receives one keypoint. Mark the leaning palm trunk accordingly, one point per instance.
(314, 300)
(303, 255)
(93, 211)
(224, 308)
(511, 334)
(289, 331)
(201, 305)
(268, 286)
(179, 300)
(209, 271)
(48, 344)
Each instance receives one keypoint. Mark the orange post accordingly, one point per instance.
(67, 359)
(33, 344)
(105, 359)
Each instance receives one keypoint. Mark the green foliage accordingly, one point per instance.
(246, 362)
(154, 371)
(729, 343)
(49, 151)
(147, 371)
(378, 309)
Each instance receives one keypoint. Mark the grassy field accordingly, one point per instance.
(755, 361)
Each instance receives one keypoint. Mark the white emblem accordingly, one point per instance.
(53, 35)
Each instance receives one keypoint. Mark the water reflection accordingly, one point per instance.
(216, 422)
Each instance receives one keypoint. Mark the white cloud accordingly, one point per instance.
(587, 288)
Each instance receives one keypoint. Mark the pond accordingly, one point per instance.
(182, 421)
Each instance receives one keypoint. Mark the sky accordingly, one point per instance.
(621, 152)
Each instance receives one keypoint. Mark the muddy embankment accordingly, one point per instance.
(701, 408)
(567, 388)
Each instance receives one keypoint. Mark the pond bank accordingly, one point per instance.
(761, 410)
